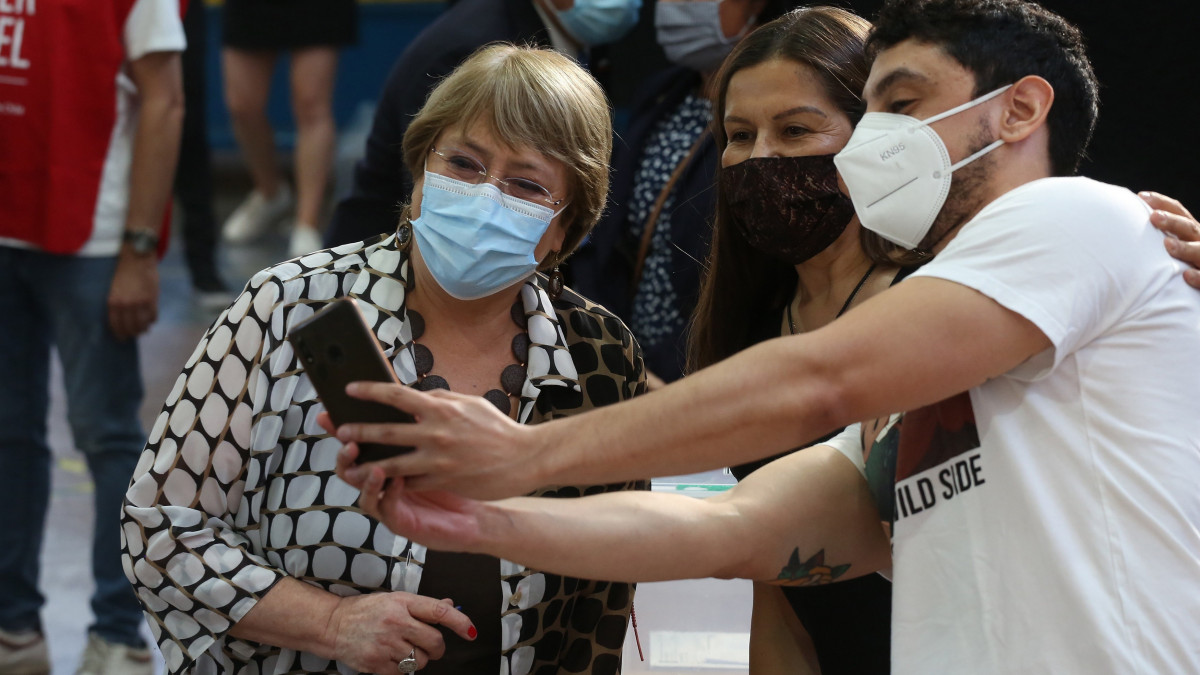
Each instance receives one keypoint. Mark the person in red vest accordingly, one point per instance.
(91, 106)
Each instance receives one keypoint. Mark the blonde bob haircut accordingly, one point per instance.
(528, 97)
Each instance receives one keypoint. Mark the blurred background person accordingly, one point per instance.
(283, 571)
(194, 177)
(88, 143)
(255, 32)
(381, 180)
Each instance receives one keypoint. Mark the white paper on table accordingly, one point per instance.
(686, 649)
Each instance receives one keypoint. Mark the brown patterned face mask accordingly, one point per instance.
(789, 208)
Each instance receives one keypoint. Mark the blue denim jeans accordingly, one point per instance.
(61, 301)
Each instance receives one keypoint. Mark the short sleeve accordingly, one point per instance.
(1068, 254)
(849, 443)
(154, 26)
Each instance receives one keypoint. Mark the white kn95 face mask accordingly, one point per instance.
(898, 171)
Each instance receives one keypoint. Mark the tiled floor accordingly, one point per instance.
(685, 627)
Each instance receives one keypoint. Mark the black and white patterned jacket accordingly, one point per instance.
(236, 488)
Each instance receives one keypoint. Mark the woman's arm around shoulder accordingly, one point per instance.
(1183, 230)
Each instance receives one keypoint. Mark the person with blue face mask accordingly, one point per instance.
(590, 23)
(282, 571)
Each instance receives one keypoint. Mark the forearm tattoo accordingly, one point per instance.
(811, 572)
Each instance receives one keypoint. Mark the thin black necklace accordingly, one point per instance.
(845, 305)
(512, 378)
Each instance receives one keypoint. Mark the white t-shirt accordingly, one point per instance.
(1064, 536)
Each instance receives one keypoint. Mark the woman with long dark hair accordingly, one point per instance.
(788, 255)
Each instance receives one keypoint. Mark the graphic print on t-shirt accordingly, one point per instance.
(937, 455)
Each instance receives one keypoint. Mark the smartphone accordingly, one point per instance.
(336, 347)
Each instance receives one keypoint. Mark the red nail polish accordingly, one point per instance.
(472, 633)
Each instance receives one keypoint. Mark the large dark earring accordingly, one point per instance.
(404, 241)
(404, 235)
(556, 281)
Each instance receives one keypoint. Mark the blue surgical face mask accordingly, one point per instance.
(598, 22)
(690, 34)
(476, 240)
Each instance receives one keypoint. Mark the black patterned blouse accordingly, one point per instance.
(658, 315)
(236, 488)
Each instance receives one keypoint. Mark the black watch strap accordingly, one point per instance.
(142, 241)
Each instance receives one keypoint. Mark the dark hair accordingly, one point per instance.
(1001, 41)
(742, 284)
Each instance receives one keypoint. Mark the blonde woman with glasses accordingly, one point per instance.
(251, 556)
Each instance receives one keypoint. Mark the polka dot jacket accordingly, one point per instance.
(236, 488)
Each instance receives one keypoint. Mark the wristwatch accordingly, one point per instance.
(142, 241)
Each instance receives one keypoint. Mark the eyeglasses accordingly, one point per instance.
(458, 165)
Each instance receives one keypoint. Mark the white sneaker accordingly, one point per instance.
(304, 240)
(108, 658)
(23, 653)
(256, 214)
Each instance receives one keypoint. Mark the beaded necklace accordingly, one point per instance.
(512, 378)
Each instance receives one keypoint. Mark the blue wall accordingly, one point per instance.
(385, 29)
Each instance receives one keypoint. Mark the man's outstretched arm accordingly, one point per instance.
(807, 518)
(915, 344)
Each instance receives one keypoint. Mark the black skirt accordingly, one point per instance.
(289, 24)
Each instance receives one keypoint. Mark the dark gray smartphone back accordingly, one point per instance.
(335, 347)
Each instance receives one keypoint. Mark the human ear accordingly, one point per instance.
(1027, 105)
(551, 243)
(555, 237)
(414, 203)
